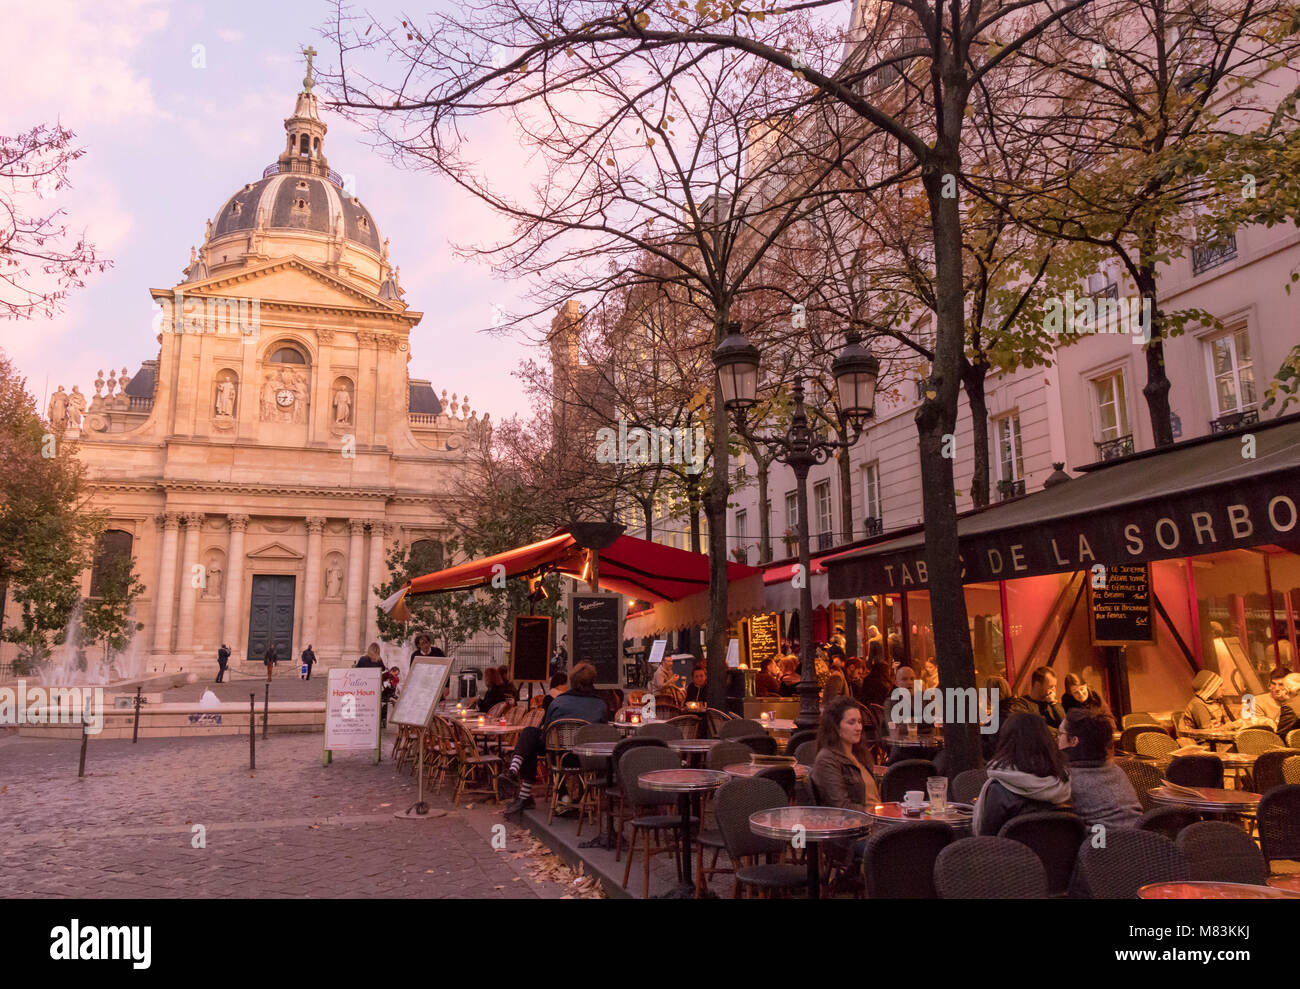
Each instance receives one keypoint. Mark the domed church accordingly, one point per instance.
(260, 469)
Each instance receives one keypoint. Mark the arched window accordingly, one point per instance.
(287, 355)
(304, 146)
(113, 545)
(426, 556)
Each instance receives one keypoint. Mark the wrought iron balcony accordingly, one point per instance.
(825, 540)
(1234, 420)
(1010, 489)
(872, 526)
(1121, 446)
(1213, 253)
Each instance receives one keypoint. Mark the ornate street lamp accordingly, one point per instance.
(855, 371)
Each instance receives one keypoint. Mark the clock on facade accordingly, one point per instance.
(284, 398)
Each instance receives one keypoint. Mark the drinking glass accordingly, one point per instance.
(937, 788)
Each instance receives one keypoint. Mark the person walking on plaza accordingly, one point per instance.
(223, 657)
(308, 661)
(270, 658)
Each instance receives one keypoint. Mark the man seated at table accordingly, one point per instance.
(664, 676)
(1206, 708)
(699, 684)
(580, 701)
(1041, 699)
(1100, 792)
(1284, 688)
(768, 681)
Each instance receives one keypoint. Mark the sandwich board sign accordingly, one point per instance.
(352, 711)
(421, 691)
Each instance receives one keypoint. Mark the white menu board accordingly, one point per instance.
(352, 710)
(420, 693)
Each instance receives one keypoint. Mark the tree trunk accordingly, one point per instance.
(1157, 387)
(935, 419)
(764, 515)
(973, 378)
(715, 508)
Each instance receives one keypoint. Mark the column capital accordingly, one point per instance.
(324, 334)
(315, 523)
(381, 528)
(168, 520)
(194, 519)
(238, 523)
(357, 526)
(367, 337)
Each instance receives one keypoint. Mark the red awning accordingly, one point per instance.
(785, 571)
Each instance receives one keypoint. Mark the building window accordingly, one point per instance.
(871, 498)
(825, 517)
(426, 556)
(1115, 436)
(1011, 462)
(287, 355)
(742, 536)
(113, 545)
(1232, 372)
(792, 511)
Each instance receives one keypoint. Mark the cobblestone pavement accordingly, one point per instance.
(292, 828)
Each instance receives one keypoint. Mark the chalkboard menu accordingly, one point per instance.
(764, 640)
(596, 634)
(1121, 611)
(530, 648)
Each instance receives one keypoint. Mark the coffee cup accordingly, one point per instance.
(913, 799)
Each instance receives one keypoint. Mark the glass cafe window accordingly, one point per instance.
(1232, 373)
(791, 511)
(1112, 407)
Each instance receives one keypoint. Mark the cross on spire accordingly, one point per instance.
(307, 81)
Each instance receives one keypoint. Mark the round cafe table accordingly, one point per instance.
(688, 784)
(1215, 736)
(1288, 882)
(600, 750)
(923, 740)
(892, 813)
(813, 825)
(1241, 803)
(1212, 891)
(745, 770)
(693, 749)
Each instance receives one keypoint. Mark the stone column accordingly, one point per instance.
(374, 577)
(356, 597)
(311, 592)
(234, 586)
(165, 591)
(189, 593)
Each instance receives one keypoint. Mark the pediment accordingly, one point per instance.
(291, 281)
(274, 551)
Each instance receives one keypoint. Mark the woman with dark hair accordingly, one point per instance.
(1027, 773)
(842, 770)
(496, 690)
(999, 697)
(877, 686)
(1079, 694)
(504, 673)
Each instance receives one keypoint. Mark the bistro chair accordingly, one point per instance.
(650, 821)
(726, 754)
(533, 718)
(988, 868)
(1293, 738)
(667, 712)
(560, 769)
(472, 765)
(1195, 770)
(759, 744)
(734, 802)
(1167, 821)
(673, 696)
(1131, 859)
(967, 784)
(1279, 828)
(782, 776)
(714, 719)
(687, 724)
(797, 738)
(593, 770)
(1267, 771)
(740, 726)
(806, 753)
(1257, 741)
(1144, 777)
(498, 711)
(614, 791)
(1128, 738)
(1055, 837)
(1140, 718)
(1291, 770)
(668, 733)
(899, 861)
(1153, 745)
(910, 774)
(1222, 853)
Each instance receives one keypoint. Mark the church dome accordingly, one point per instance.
(289, 200)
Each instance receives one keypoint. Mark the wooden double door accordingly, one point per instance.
(270, 616)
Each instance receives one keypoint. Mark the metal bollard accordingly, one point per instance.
(266, 708)
(135, 729)
(252, 730)
(85, 737)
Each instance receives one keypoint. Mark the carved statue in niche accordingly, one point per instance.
(215, 577)
(333, 581)
(343, 404)
(227, 392)
(284, 395)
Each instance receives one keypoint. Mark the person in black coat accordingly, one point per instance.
(1027, 773)
(1079, 694)
(308, 660)
(698, 689)
(270, 658)
(223, 657)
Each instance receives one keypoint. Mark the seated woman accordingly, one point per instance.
(1027, 773)
(842, 770)
(497, 690)
(1079, 694)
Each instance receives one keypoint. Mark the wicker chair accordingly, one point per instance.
(910, 774)
(1279, 826)
(1144, 778)
(797, 738)
(593, 770)
(1195, 770)
(687, 724)
(1291, 770)
(668, 733)
(899, 861)
(1167, 821)
(673, 696)
(1140, 718)
(1223, 853)
(714, 720)
(651, 821)
(967, 784)
(1293, 738)
(533, 718)
(734, 802)
(614, 790)
(1153, 745)
(1055, 837)
(782, 776)
(806, 753)
(498, 711)
(1257, 741)
(472, 764)
(667, 712)
(1267, 771)
(760, 744)
(726, 754)
(740, 726)
(560, 735)
(1131, 859)
(989, 869)
(1128, 738)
